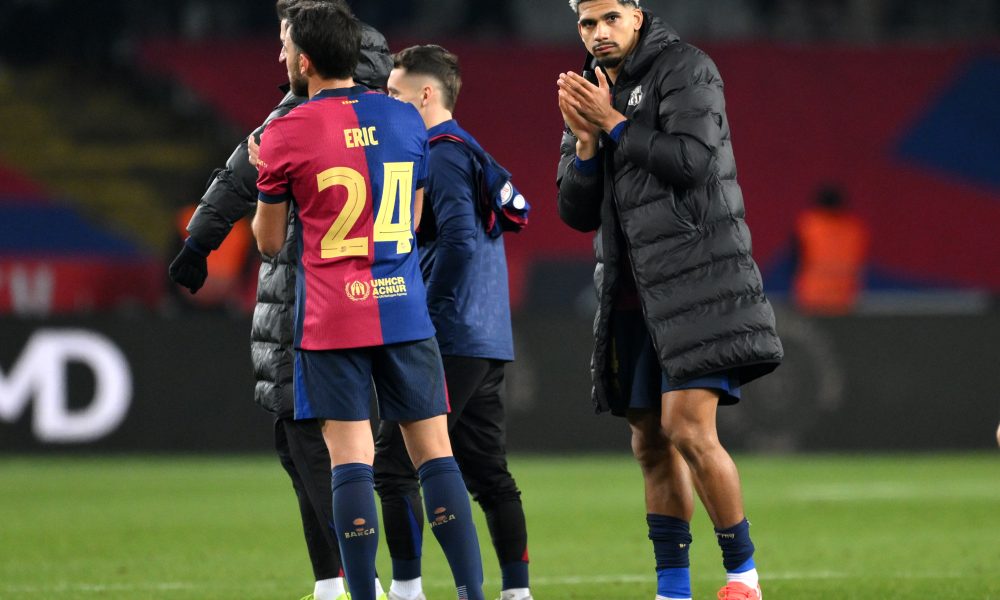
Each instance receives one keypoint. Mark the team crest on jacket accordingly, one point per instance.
(636, 96)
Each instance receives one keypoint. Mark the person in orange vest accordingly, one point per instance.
(831, 251)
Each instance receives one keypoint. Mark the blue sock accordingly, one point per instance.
(737, 549)
(447, 504)
(671, 545)
(356, 523)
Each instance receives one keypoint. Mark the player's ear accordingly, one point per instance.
(639, 17)
(425, 95)
(305, 64)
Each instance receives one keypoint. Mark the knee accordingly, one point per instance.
(690, 437)
(286, 460)
(396, 493)
(649, 448)
(395, 480)
(426, 440)
(489, 499)
(490, 486)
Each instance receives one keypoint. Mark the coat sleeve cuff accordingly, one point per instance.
(616, 133)
(586, 167)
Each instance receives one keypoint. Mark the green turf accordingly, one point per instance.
(887, 527)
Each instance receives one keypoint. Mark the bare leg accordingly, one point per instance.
(349, 442)
(688, 421)
(426, 439)
(665, 474)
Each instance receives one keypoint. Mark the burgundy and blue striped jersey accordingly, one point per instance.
(351, 160)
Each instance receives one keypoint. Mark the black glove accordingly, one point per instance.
(190, 268)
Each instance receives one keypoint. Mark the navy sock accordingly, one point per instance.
(505, 519)
(450, 516)
(356, 522)
(671, 539)
(737, 549)
(514, 575)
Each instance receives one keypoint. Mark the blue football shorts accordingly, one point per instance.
(408, 380)
(640, 380)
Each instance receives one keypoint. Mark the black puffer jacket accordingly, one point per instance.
(667, 195)
(231, 196)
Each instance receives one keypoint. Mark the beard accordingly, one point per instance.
(299, 85)
(610, 62)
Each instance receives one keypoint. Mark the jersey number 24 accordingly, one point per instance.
(397, 185)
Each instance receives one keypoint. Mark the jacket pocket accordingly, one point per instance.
(684, 207)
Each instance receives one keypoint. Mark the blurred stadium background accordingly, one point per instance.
(115, 113)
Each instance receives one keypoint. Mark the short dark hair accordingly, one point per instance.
(283, 6)
(575, 4)
(436, 62)
(329, 34)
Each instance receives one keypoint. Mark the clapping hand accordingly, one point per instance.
(591, 102)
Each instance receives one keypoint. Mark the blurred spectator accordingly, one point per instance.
(233, 267)
(830, 252)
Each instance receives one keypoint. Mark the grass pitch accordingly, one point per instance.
(885, 527)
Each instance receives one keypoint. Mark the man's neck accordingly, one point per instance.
(435, 116)
(317, 85)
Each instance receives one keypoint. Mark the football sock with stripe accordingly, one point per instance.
(737, 553)
(356, 524)
(671, 539)
(446, 502)
(514, 575)
(402, 518)
(509, 533)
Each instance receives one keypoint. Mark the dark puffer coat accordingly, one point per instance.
(667, 195)
(231, 196)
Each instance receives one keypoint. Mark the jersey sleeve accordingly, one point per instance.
(273, 185)
(422, 165)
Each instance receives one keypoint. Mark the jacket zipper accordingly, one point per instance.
(628, 245)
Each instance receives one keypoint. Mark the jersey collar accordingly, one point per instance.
(340, 92)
